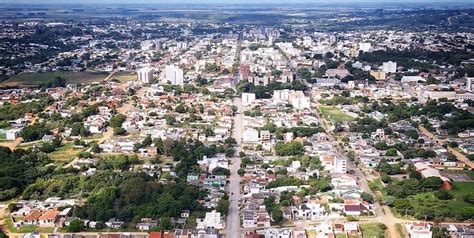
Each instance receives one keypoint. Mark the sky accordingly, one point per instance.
(219, 1)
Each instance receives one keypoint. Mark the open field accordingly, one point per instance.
(373, 230)
(400, 230)
(457, 203)
(125, 76)
(65, 152)
(334, 114)
(459, 176)
(36, 79)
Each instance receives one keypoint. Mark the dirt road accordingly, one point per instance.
(441, 142)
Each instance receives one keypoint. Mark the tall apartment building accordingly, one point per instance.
(174, 75)
(389, 67)
(145, 75)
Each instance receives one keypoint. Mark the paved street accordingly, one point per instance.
(233, 218)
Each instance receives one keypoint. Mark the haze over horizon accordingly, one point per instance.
(117, 2)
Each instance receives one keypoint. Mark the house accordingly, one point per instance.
(12, 134)
(250, 136)
(278, 233)
(31, 219)
(344, 183)
(47, 138)
(419, 230)
(146, 224)
(48, 219)
(34, 234)
(352, 229)
(324, 230)
(211, 220)
(114, 223)
(356, 208)
(204, 233)
(308, 211)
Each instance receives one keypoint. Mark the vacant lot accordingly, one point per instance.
(429, 201)
(65, 152)
(125, 76)
(36, 79)
(334, 114)
(373, 230)
(461, 176)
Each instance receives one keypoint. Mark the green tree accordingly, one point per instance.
(220, 171)
(165, 224)
(223, 206)
(277, 215)
(368, 197)
(76, 225)
(391, 152)
(288, 149)
(117, 120)
(118, 131)
(469, 198)
(442, 195)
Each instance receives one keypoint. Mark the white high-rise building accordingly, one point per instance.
(174, 75)
(469, 84)
(145, 75)
(365, 46)
(340, 165)
(282, 95)
(389, 67)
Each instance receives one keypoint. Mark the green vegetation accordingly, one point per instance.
(18, 169)
(288, 149)
(125, 76)
(460, 121)
(405, 57)
(374, 230)
(130, 196)
(431, 206)
(298, 131)
(75, 226)
(12, 112)
(267, 91)
(284, 181)
(334, 114)
(65, 152)
(38, 79)
(344, 100)
(26, 228)
(400, 230)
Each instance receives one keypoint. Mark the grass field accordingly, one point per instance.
(125, 76)
(400, 230)
(334, 114)
(65, 152)
(373, 230)
(35, 79)
(457, 203)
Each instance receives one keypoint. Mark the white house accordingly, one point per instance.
(211, 220)
(12, 134)
(419, 230)
(308, 211)
(250, 135)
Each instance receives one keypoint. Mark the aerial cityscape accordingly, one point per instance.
(236, 119)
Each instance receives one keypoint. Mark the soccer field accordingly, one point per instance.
(334, 114)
